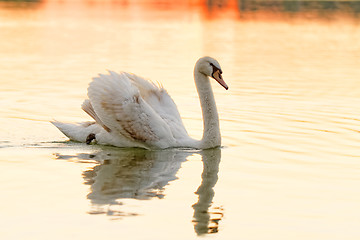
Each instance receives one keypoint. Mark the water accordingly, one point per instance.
(290, 122)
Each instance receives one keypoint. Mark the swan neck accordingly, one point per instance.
(211, 133)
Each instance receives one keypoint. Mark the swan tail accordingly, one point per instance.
(77, 131)
(88, 108)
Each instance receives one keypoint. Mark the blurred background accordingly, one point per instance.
(290, 121)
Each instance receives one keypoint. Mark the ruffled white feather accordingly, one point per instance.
(130, 111)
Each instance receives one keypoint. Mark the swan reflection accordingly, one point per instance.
(207, 219)
(141, 174)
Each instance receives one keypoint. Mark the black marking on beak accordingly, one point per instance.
(212, 75)
(215, 69)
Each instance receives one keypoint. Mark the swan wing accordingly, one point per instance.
(88, 108)
(162, 103)
(120, 107)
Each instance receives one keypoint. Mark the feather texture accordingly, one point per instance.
(130, 111)
(118, 104)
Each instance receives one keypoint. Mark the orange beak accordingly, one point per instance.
(217, 76)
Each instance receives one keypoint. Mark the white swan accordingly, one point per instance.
(130, 111)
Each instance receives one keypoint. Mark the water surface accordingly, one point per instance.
(290, 122)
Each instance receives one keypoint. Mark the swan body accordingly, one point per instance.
(130, 111)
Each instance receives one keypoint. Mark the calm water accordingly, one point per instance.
(290, 122)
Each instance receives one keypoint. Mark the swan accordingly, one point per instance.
(130, 111)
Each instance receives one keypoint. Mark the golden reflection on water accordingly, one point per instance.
(143, 175)
(290, 120)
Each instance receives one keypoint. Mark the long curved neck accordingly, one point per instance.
(211, 135)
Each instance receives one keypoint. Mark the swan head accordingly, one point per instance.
(210, 67)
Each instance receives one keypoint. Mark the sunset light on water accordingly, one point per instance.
(288, 167)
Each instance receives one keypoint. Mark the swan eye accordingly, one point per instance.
(215, 68)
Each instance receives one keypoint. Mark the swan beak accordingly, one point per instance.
(217, 76)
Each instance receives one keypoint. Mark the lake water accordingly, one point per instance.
(289, 167)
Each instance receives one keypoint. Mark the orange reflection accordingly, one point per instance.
(207, 9)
